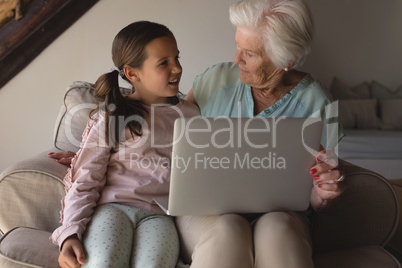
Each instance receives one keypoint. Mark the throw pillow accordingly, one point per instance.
(341, 91)
(78, 101)
(391, 114)
(28, 247)
(361, 114)
(381, 92)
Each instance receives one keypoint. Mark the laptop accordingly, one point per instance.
(241, 165)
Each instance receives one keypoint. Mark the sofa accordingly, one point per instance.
(360, 229)
(372, 118)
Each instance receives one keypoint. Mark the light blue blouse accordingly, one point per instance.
(219, 92)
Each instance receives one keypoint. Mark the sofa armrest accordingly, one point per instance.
(395, 245)
(30, 193)
(367, 213)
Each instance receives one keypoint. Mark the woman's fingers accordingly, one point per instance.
(62, 157)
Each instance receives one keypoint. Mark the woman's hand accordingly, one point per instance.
(62, 157)
(72, 253)
(328, 180)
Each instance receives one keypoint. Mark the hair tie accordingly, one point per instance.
(121, 72)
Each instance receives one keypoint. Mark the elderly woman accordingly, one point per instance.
(273, 38)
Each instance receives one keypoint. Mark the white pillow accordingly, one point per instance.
(391, 114)
(78, 101)
(341, 91)
(360, 114)
(381, 92)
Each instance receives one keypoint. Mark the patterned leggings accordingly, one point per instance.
(123, 236)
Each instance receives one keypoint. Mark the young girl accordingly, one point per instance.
(109, 217)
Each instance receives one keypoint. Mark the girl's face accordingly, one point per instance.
(255, 66)
(160, 74)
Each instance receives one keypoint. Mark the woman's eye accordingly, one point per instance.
(249, 54)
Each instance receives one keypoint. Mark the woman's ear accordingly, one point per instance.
(291, 64)
(131, 74)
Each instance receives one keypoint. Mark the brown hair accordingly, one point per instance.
(128, 49)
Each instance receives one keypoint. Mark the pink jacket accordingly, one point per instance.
(137, 172)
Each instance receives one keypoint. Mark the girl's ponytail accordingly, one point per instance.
(114, 106)
(107, 90)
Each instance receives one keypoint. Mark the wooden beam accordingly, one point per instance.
(36, 14)
(21, 41)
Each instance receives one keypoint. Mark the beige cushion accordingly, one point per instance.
(78, 101)
(31, 192)
(391, 114)
(26, 247)
(360, 114)
(367, 257)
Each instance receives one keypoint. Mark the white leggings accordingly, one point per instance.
(123, 236)
(278, 239)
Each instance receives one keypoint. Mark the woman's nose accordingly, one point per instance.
(237, 57)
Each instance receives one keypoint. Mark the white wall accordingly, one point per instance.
(356, 40)
(30, 102)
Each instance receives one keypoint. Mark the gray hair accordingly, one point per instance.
(286, 26)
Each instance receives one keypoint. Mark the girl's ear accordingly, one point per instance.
(131, 74)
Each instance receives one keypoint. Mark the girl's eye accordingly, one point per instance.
(164, 62)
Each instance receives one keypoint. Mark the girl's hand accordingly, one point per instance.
(72, 253)
(328, 180)
(62, 157)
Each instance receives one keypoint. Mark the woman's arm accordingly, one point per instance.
(66, 157)
(62, 157)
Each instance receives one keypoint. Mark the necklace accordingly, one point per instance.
(263, 101)
(280, 95)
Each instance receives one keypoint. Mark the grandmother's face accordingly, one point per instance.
(255, 65)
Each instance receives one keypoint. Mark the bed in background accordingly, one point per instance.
(372, 118)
